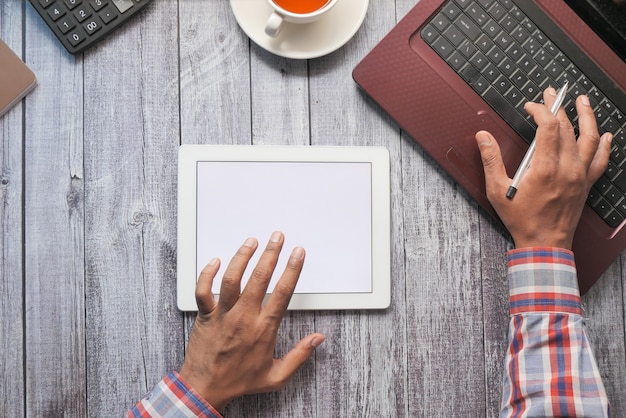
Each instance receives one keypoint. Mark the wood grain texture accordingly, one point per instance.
(54, 229)
(88, 219)
(11, 212)
(134, 330)
(214, 75)
(443, 258)
(494, 242)
(604, 317)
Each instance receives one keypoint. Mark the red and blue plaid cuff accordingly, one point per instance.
(543, 279)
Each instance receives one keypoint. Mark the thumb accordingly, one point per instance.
(287, 366)
(491, 158)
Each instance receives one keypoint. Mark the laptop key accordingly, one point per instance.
(467, 49)
(509, 113)
(429, 34)
(456, 60)
(614, 219)
(454, 35)
(470, 74)
(441, 22)
(443, 47)
(603, 208)
(610, 125)
(497, 11)
(614, 196)
(468, 27)
(620, 180)
(618, 156)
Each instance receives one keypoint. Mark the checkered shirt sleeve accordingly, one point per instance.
(172, 397)
(550, 369)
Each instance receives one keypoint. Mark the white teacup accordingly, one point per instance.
(280, 15)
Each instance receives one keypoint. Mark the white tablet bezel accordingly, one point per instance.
(377, 157)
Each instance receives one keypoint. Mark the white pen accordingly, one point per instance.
(525, 164)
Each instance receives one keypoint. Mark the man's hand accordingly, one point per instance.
(231, 347)
(547, 206)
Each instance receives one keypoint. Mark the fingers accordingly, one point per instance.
(280, 297)
(601, 158)
(287, 366)
(548, 127)
(204, 295)
(496, 178)
(589, 139)
(256, 288)
(231, 283)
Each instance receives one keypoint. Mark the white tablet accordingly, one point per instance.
(333, 201)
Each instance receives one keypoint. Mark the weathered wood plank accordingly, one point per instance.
(280, 99)
(11, 275)
(54, 229)
(134, 330)
(494, 242)
(444, 306)
(604, 317)
(214, 75)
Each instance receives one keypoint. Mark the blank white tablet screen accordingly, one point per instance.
(325, 207)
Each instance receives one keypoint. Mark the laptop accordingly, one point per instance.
(453, 67)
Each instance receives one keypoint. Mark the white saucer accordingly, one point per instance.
(301, 41)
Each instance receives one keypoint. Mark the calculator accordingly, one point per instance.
(81, 23)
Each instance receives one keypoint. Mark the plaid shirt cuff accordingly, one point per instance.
(543, 279)
(173, 397)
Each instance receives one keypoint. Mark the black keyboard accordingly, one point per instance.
(509, 52)
(81, 23)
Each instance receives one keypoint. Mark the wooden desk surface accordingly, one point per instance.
(88, 218)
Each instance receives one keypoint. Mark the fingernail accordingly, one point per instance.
(483, 138)
(213, 261)
(551, 91)
(276, 236)
(250, 242)
(297, 253)
(585, 100)
(317, 341)
(608, 137)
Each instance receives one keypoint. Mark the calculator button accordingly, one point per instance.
(77, 36)
(72, 3)
(108, 14)
(56, 12)
(92, 26)
(66, 24)
(98, 4)
(81, 23)
(123, 5)
(82, 13)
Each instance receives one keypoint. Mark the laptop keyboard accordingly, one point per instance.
(496, 47)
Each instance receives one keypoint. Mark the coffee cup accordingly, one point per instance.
(295, 11)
